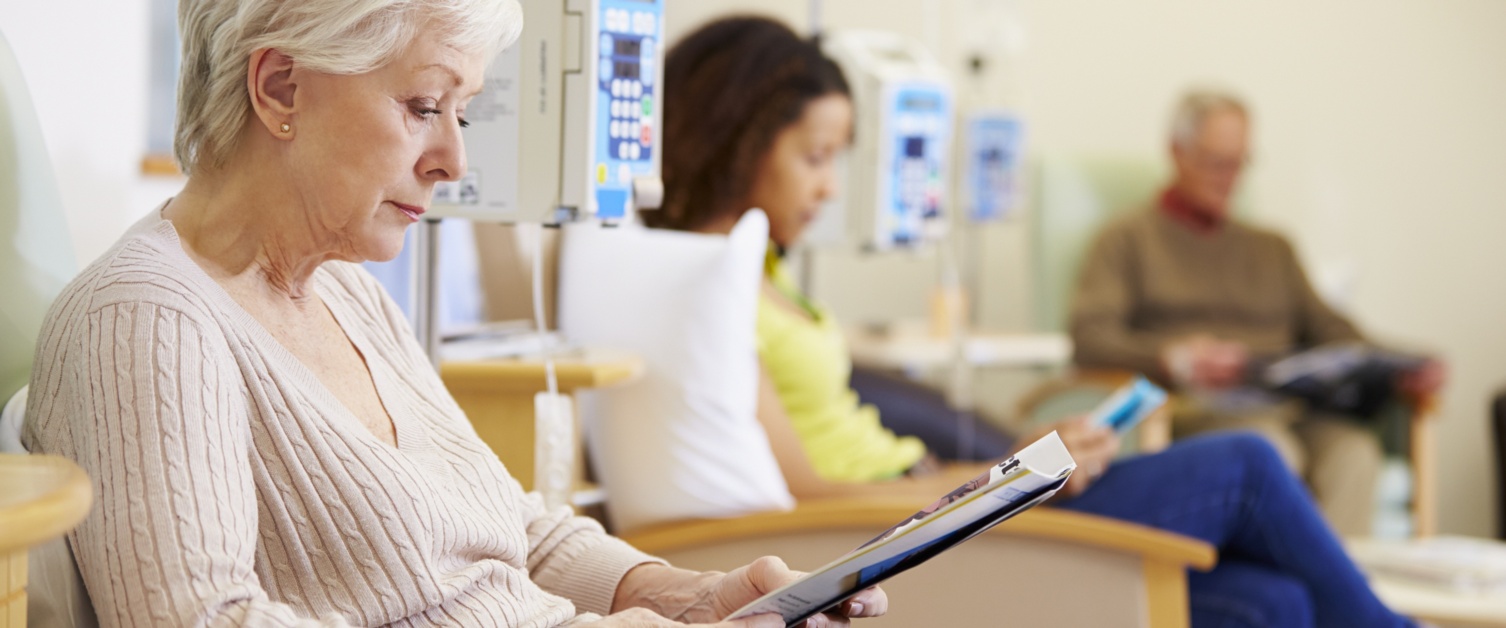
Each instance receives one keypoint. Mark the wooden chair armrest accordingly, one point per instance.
(878, 514)
(41, 498)
(1422, 451)
(1424, 406)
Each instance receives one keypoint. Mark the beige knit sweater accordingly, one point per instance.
(234, 489)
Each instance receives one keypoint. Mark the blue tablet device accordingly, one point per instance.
(1129, 405)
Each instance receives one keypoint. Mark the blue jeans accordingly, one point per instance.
(910, 409)
(1279, 564)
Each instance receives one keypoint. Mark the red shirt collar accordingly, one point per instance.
(1183, 212)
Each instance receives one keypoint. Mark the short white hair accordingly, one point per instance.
(1196, 106)
(330, 36)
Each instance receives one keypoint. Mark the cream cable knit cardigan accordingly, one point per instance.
(234, 489)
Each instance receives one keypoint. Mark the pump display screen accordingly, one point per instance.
(625, 133)
(915, 146)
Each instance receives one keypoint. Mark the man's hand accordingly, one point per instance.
(1206, 362)
(1093, 447)
(688, 596)
(1425, 380)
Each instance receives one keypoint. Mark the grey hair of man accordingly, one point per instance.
(1196, 107)
(330, 36)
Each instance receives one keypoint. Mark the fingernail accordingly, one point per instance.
(855, 609)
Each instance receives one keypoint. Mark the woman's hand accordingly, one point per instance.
(1093, 447)
(689, 596)
(644, 618)
(928, 466)
(753, 581)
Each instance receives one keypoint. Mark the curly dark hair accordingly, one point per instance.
(730, 88)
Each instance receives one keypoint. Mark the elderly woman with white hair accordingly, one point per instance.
(267, 441)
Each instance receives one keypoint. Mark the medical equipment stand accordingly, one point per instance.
(425, 295)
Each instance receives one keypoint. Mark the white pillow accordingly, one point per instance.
(683, 441)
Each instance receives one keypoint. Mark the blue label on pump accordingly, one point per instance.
(627, 42)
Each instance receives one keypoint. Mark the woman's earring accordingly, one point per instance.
(287, 128)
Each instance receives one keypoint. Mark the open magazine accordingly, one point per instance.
(1349, 378)
(1005, 490)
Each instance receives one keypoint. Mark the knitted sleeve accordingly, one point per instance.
(1316, 323)
(573, 557)
(161, 427)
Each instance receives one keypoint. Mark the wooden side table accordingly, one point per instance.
(907, 348)
(497, 396)
(41, 499)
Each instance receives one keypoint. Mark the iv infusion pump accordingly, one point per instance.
(567, 125)
(895, 196)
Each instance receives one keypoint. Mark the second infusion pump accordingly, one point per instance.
(567, 125)
(895, 195)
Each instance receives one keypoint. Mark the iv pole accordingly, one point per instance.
(807, 253)
(425, 287)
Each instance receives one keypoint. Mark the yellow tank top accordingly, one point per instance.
(810, 368)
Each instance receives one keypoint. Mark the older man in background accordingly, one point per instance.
(1183, 292)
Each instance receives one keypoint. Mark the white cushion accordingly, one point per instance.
(11, 415)
(684, 440)
(55, 591)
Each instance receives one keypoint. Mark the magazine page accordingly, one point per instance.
(1336, 361)
(1006, 489)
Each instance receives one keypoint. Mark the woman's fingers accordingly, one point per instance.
(747, 583)
(1093, 447)
(827, 621)
(766, 620)
(769, 573)
(1088, 443)
(644, 618)
(867, 603)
